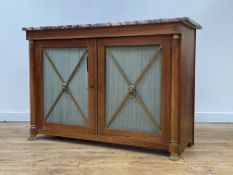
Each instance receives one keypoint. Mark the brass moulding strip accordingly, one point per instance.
(132, 89)
(65, 85)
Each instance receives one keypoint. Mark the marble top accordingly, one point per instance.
(185, 20)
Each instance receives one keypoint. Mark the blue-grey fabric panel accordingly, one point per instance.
(132, 59)
(65, 60)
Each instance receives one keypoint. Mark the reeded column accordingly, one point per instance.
(174, 142)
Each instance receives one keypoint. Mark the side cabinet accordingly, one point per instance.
(127, 83)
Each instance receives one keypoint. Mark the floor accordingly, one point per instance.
(211, 154)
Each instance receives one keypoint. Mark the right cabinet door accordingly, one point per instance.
(134, 88)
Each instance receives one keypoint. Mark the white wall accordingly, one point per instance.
(214, 66)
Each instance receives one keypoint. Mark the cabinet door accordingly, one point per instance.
(134, 88)
(66, 81)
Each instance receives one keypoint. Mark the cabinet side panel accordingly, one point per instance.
(187, 87)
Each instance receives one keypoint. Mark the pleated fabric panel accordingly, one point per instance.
(65, 60)
(132, 60)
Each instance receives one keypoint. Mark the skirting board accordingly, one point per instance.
(199, 117)
(215, 117)
(14, 116)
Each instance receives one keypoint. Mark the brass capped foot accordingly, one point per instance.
(32, 138)
(174, 157)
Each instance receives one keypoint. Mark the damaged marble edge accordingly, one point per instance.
(154, 21)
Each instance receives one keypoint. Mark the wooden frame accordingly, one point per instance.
(90, 44)
(166, 68)
(176, 36)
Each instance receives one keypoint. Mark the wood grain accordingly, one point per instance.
(187, 87)
(211, 154)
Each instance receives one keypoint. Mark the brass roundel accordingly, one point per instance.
(64, 87)
(132, 89)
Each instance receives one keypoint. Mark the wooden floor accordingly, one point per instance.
(212, 154)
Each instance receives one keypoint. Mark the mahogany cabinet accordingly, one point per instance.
(128, 83)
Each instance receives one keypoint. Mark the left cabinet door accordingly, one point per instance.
(66, 81)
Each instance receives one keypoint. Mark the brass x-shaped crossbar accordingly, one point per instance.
(65, 85)
(132, 89)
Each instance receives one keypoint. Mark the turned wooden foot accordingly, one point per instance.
(33, 133)
(174, 151)
(174, 157)
(32, 138)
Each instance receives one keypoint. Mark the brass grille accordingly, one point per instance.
(132, 88)
(65, 85)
